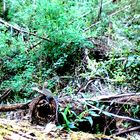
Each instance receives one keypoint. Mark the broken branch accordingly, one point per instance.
(21, 30)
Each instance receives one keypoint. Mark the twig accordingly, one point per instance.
(21, 30)
(128, 130)
(111, 96)
(124, 103)
(84, 87)
(33, 46)
(118, 11)
(100, 10)
(5, 94)
(112, 114)
(85, 14)
(118, 103)
(92, 25)
(110, 15)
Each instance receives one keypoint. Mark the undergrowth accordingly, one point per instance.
(61, 34)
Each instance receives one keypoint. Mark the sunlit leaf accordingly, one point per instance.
(90, 120)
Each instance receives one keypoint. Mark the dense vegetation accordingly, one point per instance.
(41, 40)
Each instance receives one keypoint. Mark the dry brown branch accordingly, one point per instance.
(15, 107)
(128, 130)
(44, 108)
(110, 97)
(118, 103)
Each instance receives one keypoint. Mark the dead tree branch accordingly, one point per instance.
(128, 130)
(15, 107)
(19, 29)
(5, 94)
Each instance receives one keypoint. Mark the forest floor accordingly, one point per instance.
(15, 125)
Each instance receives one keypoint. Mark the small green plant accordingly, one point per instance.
(135, 111)
(68, 117)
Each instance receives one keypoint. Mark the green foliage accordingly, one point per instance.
(72, 120)
(122, 69)
(49, 18)
(122, 65)
(27, 59)
(23, 65)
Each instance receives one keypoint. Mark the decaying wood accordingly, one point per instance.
(13, 107)
(44, 109)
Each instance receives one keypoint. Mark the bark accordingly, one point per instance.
(13, 107)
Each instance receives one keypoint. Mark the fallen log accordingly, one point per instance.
(13, 107)
(45, 109)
